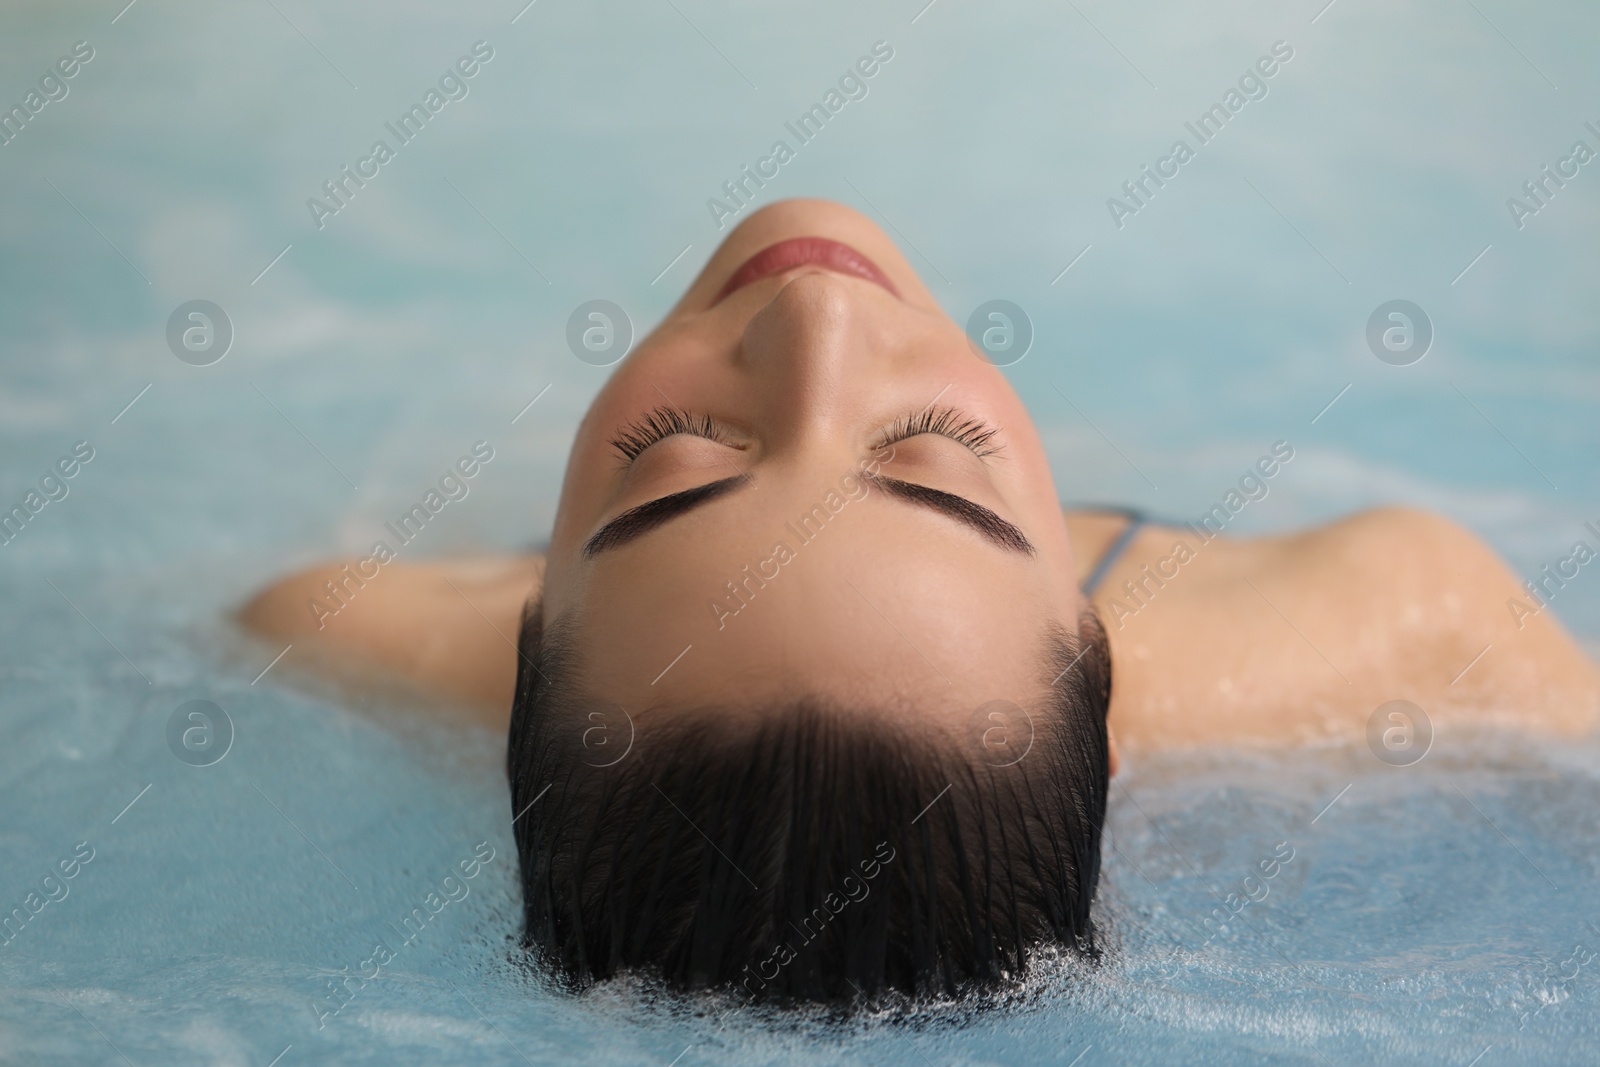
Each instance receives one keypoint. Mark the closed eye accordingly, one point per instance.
(945, 422)
(660, 424)
(663, 422)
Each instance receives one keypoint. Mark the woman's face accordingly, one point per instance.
(826, 558)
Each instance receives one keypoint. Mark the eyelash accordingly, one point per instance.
(946, 422)
(658, 426)
(665, 422)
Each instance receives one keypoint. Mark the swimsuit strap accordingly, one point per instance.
(1137, 519)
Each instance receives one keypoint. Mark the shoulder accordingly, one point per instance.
(1408, 560)
(1407, 532)
(1302, 634)
(1406, 555)
(1455, 615)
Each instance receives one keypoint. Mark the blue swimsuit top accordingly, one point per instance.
(1137, 520)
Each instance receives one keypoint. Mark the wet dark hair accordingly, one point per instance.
(807, 852)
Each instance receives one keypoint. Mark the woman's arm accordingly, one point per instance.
(448, 627)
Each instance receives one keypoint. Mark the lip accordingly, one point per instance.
(806, 252)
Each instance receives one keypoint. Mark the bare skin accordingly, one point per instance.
(1279, 639)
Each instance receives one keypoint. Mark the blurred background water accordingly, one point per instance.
(1430, 915)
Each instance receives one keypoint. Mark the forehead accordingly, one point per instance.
(768, 593)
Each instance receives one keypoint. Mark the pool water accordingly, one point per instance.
(216, 914)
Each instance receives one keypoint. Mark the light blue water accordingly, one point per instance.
(1428, 915)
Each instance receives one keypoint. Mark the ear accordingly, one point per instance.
(1115, 760)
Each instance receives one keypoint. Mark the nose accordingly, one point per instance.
(810, 354)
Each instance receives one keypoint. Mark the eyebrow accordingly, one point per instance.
(961, 509)
(642, 519)
(646, 517)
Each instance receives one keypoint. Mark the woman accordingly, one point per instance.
(811, 696)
